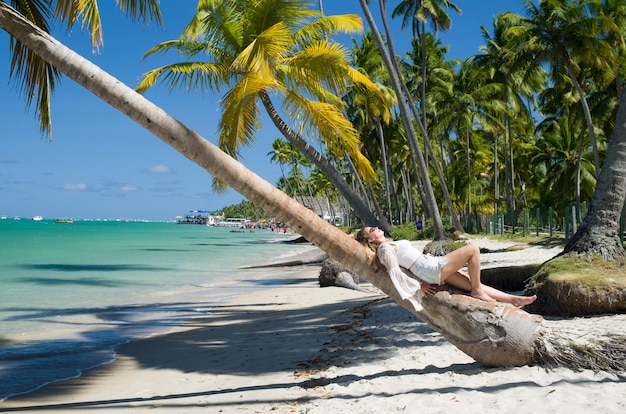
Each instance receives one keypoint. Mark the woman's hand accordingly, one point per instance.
(428, 289)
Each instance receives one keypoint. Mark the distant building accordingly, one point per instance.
(202, 217)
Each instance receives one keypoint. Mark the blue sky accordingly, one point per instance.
(101, 164)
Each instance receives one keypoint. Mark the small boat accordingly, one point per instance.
(37, 218)
(64, 221)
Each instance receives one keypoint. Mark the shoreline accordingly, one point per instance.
(29, 370)
(250, 315)
(296, 347)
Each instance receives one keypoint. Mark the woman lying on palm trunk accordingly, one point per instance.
(400, 257)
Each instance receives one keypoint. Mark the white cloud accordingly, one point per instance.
(159, 169)
(75, 187)
(129, 187)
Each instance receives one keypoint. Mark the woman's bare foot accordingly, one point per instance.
(523, 300)
(479, 294)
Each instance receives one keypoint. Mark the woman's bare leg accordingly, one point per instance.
(461, 280)
(470, 255)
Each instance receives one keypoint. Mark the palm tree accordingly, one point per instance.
(599, 232)
(281, 154)
(421, 121)
(256, 50)
(439, 75)
(494, 334)
(36, 78)
(478, 102)
(520, 79)
(568, 35)
(405, 107)
(457, 102)
(369, 113)
(568, 170)
(286, 153)
(418, 13)
(467, 174)
(616, 11)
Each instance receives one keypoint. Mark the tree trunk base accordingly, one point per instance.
(596, 343)
(566, 299)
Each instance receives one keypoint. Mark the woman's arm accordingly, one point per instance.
(406, 286)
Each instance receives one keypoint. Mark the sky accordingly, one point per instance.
(102, 165)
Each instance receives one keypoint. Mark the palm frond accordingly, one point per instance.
(88, 13)
(217, 23)
(318, 29)
(364, 82)
(321, 62)
(261, 14)
(218, 186)
(262, 53)
(185, 47)
(327, 123)
(240, 117)
(66, 10)
(187, 75)
(143, 10)
(33, 76)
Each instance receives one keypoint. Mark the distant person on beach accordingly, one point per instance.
(400, 257)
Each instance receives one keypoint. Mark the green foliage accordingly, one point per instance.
(406, 231)
(245, 209)
(346, 229)
(457, 245)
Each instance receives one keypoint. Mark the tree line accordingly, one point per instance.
(524, 123)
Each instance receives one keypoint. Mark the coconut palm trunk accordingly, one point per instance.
(406, 107)
(494, 334)
(420, 169)
(385, 167)
(586, 112)
(599, 231)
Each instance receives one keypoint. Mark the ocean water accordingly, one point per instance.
(70, 293)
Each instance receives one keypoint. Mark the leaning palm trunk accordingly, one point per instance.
(420, 169)
(493, 334)
(587, 113)
(385, 165)
(599, 232)
(419, 120)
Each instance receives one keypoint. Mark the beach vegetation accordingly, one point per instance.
(570, 37)
(245, 209)
(406, 231)
(378, 129)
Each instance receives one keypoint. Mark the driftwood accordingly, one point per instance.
(334, 273)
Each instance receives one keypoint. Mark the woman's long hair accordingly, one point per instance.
(362, 236)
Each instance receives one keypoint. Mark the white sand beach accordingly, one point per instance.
(300, 348)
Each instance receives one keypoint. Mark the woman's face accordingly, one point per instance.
(376, 235)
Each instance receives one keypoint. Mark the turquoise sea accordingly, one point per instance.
(70, 293)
